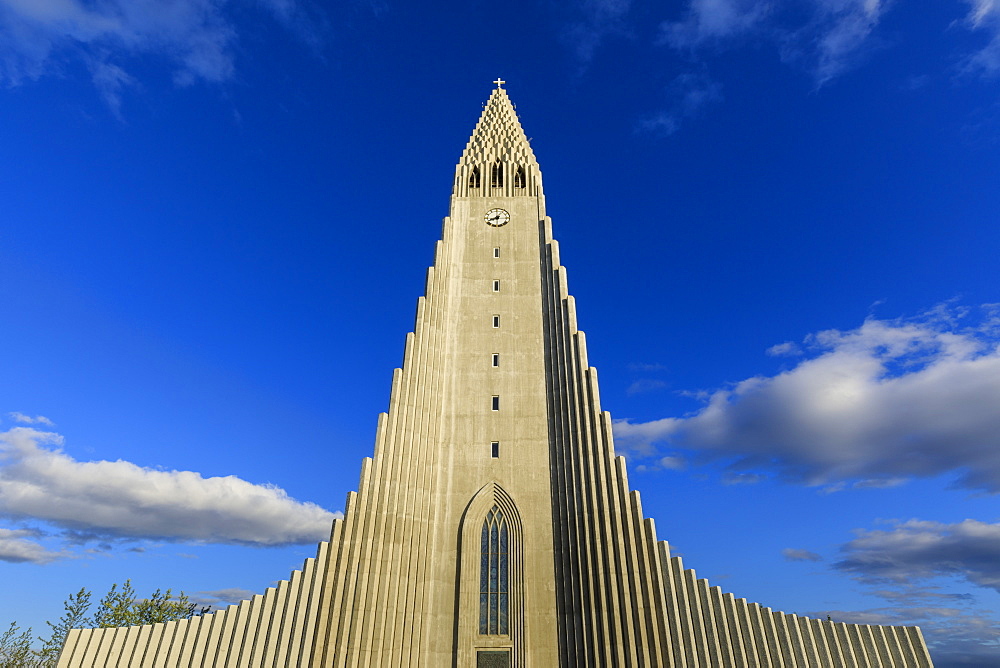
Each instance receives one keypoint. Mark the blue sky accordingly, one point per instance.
(779, 221)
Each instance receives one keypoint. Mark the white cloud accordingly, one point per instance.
(598, 19)
(984, 15)
(888, 401)
(220, 598)
(908, 555)
(646, 366)
(956, 637)
(919, 550)
(689, 93)
(786, 349)
(672, 463)
(645, 385)
(839, 36)
(16, 548)
(903, 559)
(102, 499)
(709, 21)
(27, 419)
(196, 37)
(826, 37)
(792, 554)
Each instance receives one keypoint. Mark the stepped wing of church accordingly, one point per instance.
(494, 525)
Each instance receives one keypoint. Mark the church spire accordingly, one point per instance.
(498, 160)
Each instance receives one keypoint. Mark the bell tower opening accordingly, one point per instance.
(519, 178)
(496, 174)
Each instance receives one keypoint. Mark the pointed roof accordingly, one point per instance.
(498, 134)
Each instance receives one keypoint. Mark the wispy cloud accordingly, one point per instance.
(956, 636)
(220, 598)
(792, 554)
(873, 406)
(15, 547)
(984, 17)
(904, 558)
(106, 500)
(596, 20)
(27, 419)
(786, 349)
(918, 550)
(644, 385)
(839, 35)
(824, 37)
(195, 37)
(688, 94)
(707, 22)
(647, 366)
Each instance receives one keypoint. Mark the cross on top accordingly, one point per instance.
(499, 82)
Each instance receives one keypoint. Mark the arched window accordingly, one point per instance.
(519, 178)
(496, 174)
(494, 576)
(474, 178)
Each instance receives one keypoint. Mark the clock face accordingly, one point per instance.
(497, 217)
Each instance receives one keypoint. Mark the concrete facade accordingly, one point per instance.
(494, 525)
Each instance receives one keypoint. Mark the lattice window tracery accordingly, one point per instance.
(494, 576)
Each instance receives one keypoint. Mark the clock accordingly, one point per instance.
(497, 217)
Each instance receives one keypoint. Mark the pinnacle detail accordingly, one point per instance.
(498, 134)
(498, 156)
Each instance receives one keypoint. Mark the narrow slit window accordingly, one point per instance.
(495, 449)
(496, 359)
(496, 286)
(496, 402)
(496, 252)
(496, 174)
(496, 321)
(474, 178)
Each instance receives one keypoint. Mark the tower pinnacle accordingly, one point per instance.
(498, 160)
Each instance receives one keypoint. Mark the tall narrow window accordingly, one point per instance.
(474, 178)
(496, 252)
(496, 286)
(496, 403)
(494, 576)
(496, 321)
(519, 178)
(496, 359)
(496, 174)
(495, 449)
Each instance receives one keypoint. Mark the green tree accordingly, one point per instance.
(15, 648)
(74, 617)
(163, 607)
(120, 607)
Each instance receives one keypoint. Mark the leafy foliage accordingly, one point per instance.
(74, 617)
(15, 648)
(119, 607)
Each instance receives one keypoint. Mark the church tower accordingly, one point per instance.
(494, 526)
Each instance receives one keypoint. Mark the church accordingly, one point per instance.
(494, 527)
